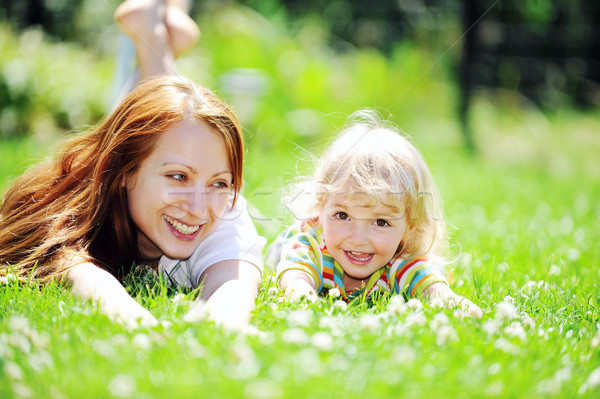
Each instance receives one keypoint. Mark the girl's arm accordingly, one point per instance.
(91, 282)
(298, 283)
(441, 291)
(230, 288)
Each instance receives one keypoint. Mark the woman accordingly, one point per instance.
(149, 185)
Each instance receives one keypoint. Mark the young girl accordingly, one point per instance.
(376, 223)
(157, 183)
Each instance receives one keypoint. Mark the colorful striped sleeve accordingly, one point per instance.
(301, 251)
(414, 275)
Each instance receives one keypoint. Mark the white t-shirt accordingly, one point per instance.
(234, 237)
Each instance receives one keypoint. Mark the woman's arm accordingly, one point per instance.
(230, 288)
(91, 282)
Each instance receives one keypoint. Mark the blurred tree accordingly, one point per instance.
(53, 16)
(547, 50)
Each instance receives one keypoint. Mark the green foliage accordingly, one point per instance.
(46, 87)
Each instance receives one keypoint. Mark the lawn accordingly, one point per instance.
(524, 215)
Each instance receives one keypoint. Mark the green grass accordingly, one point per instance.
(524, 216)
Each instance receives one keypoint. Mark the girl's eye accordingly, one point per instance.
(381, 223)
(341, 215)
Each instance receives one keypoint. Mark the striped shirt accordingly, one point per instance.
(303, 248)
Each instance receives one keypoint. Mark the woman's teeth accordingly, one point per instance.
(180, 227)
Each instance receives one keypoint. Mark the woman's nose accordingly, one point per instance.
(195, 202)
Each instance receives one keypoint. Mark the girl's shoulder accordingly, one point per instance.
(310, 226)
(408, 260)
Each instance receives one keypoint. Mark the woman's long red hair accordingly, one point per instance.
(74, 208)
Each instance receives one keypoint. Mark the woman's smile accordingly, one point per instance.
(186, 231)
(181, 191)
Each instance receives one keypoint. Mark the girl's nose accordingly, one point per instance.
(358, 233)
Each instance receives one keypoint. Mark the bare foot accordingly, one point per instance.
(183, 31)
(141, 19)
(144, 22)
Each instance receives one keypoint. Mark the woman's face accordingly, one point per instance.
(181, 191)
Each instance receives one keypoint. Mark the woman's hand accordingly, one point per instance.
(229, 288)
(91, 282)
(442, 292)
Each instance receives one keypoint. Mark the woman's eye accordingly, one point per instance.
(180, 177)
(382, 223)
(221, 184)
(341, 215)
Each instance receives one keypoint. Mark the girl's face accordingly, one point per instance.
(180, 191)
(361, 232)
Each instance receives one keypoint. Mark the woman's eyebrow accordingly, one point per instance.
(223, 172)
(191, 168)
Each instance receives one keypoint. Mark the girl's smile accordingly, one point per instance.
(362, 234)
(359, 258)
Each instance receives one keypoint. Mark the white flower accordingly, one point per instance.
(569, 334)
(327, 322)
(19, 323)
(40, 360)
(122, 386)
(573, 254)
(596, 340)
(273, 291)
(549, 386)
(510, 299)
(3, 280)
(492, 326)
(554, 270)
(592, 382)
(494, 368)
(439, 320)
(396, 305)
(322, 341)
(263, 389)
(594, 379)
(369, 322)
(414, 304)
(340, 305)
(22, 391)
(506, 311)
(335, 292)
(142, 341)
(403, 354)
(295, 336)
(515, 329)
(563, 374)
(415, 319)
(178, 298)
(13, 370)
(505, 345)
(299, 318)
(444, 334)
(528, 323)
(437, 302)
